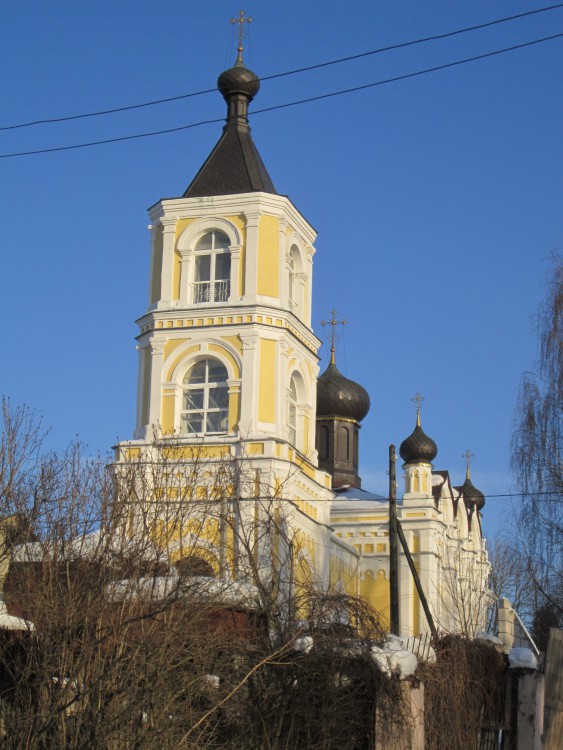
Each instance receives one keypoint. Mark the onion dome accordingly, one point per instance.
(238, 80)
(418, 447)
(339, 397)
(471, 494)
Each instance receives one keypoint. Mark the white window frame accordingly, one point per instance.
(212, 290)
(205, 409)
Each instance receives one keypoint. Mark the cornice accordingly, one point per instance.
(258, 203)
(155, 321)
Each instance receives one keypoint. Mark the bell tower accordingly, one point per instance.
(226, 349)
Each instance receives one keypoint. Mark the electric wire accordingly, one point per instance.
(295, 71)
(286, 105)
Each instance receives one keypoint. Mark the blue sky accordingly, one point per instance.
(437, 201)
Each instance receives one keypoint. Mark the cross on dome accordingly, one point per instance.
(417, 399)
(333, 323)
(241, 32)
(467, 456)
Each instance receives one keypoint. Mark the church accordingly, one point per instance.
(229, 376)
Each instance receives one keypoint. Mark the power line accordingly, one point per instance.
(295, 71)
(287, 104)
(526, 494)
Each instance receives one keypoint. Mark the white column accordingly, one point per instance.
(302, 296)
(251, 272)
(406, 595)
(309, 252)
(234, 390)
(186, 276)
(168, 239)
(139, 432)
(235, 292)
(152, 230)
(308, 439)
(249, 384)
(281, 401)
(157, 352)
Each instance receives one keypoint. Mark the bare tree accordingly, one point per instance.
(464, 597)
(167, 607)
(537, 459)
(510, 577)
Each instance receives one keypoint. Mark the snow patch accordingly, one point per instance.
(522, 658)
(488, 638)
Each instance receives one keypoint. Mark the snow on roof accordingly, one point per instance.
(522, 658)
(86, 547)
(356, 493)
(9, 622)
(216, 590)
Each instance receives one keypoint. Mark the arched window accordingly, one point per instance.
(292, 412)
(194, 566)
(343, 443)
(212, 268)
(324, 441)
(205, 406)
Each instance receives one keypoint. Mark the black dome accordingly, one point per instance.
(238, 80)
(418, 447)
(472, 495)
(339, 397)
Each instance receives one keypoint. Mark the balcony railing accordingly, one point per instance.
(211, 291)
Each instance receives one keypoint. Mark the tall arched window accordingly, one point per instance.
(212, 268)
(292, 412)
(205, 406)
(324, 441)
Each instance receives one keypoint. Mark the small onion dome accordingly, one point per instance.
(238, 80)
(471, 494)
(339, 397)
(418, 447)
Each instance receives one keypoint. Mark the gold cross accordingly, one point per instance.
(241, 20)
(333, 323)
(467, 456)
(417, 399)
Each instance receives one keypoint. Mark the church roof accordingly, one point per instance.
(234, 165)
(356, 493)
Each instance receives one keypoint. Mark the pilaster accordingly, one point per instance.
(249, 385)
(168, 241)
(156, 354)
(236, 293)
(251, 265)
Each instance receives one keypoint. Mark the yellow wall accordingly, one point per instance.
(374, 588)
(214, 348)
(234, 410)
(234, 341)
(181, 224)
(268, 256)
(189, 351)
(168, 413)
(267, 382)
(171, 344)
